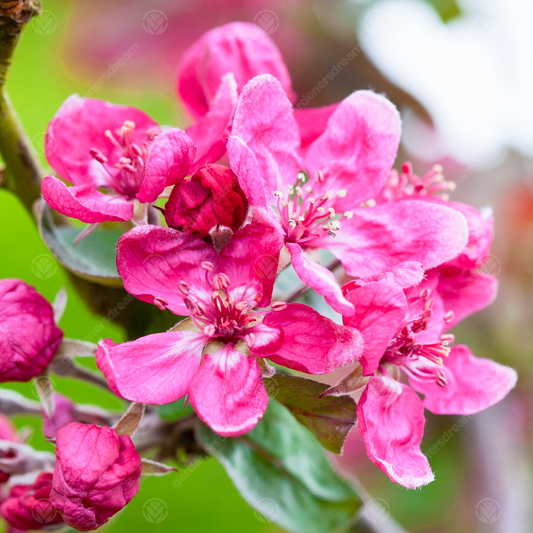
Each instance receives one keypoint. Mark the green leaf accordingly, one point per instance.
(175, 410)
(281, 470)
(329, 418)
(93, 258)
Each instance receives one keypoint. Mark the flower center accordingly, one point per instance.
(127, 174)
(305, 218)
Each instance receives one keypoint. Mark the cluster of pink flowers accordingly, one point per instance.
(253, 186)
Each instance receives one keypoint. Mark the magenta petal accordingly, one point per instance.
(391, 422)
(78, 126)
(210, 133)
(358, 147)
(171, 156)
(153, 260)
(84, 202)
(381, 237)
(312, 122)
(250, 259)
(380, 309)
(320, 279)
(154, 369)
(473, 384)
(264, 140)
(310, 342)
(228, 393)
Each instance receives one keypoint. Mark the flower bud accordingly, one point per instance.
(29, 337)
(211, 197)
(96, 474)
(7, 432)
(29, 507)
(63, 414)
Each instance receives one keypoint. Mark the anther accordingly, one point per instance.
(160, 302)
(348, 215)
(441, 378)
(278, 194)
(279, 306)
(250, 339)
(342, 193)
(209, 330)
(424, 294)
(207, 265)
(184, 288)
(449, 316)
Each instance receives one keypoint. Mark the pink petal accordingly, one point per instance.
(210, 133)
(310, 342)
(473, 384)
(391, 422)
(264, 140)
(312, 122)
(78, 126)
(153, 260)
(250, 260)
(320, 279)
(228, 393)
(241, 48)
(380, 310)
(381, 237)
(155, 369)
(171, 156)
(84, 202)
(357, 149)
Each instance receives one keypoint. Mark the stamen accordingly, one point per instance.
(250, 339)
(441, 378)
(449, 316)
(278, 306)
(209, 330)
(160, 302)
(184, 288)
(207, 265)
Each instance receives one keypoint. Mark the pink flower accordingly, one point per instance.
(63, 415)
(29, 337)
(117, 156)
(214, 357)
(211, 197)
(7, 432)
(332, 206)
(404, 330)
(241, 48)
(29, 507)
(96, 474)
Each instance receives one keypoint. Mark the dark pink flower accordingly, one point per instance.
(29, 337)
(212, 196)
(240, 48)
(29, 507)
(347, 159)
(117, 156)
(96, 474)
(213, 357)
(404, 329)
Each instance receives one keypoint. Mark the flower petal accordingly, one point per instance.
(473, 384)
(155, 369)
(320, 279)
(310, 342)
(391, 422)
(84, 202)
(170, 158)
(312, 122)
(228, 393)
(357, 149)
(380, 309)
(380, 237)
(153, 260)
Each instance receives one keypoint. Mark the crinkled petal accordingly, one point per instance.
(473, 384)
(381, 237)
(312, 122)
(228, 393)
(391, 422)
(357, 149)
(320, 279)
(170, 159)
(380, 310)
(153, 260)
(155, 369)
(84, 202)
(310, 342)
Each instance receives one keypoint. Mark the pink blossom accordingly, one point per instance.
(96, 474)
(332, 206)
(29, 337)
(28, 506)
(62, 416)
(214, 357)
(7, 432)
(117, 156)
